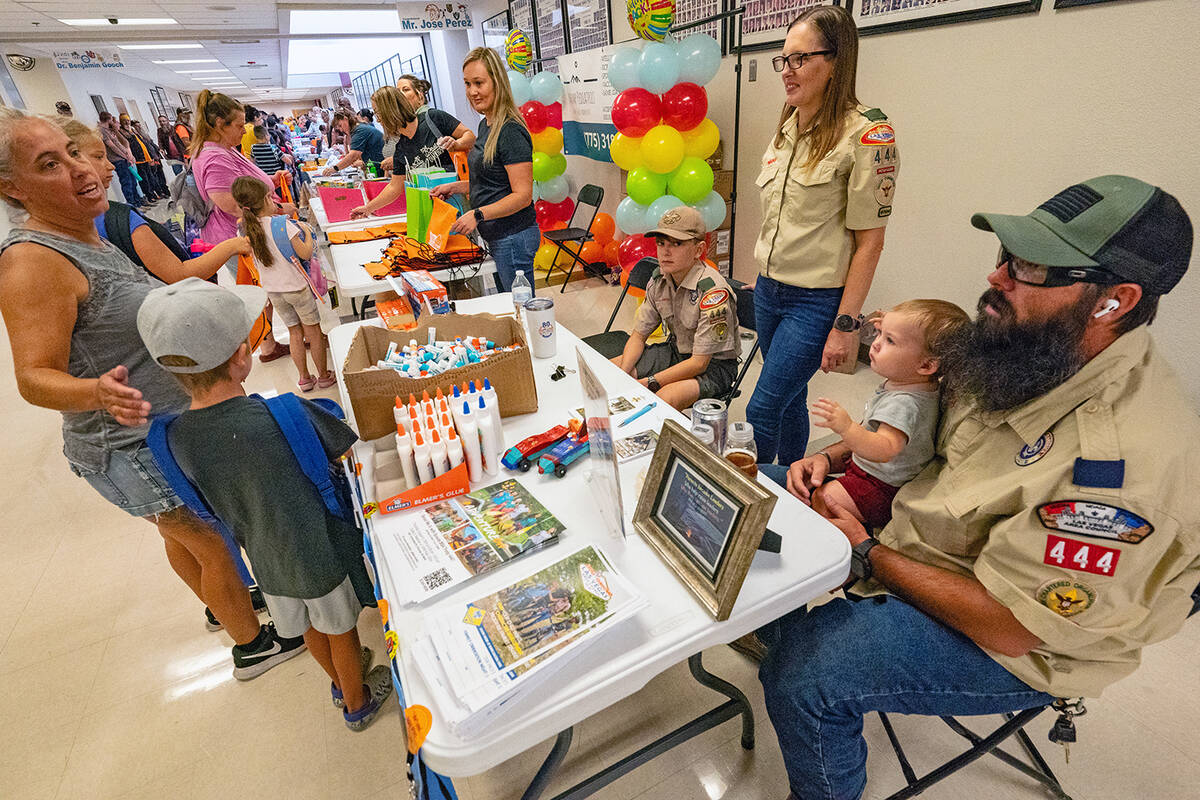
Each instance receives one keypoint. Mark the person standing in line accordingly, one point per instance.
(184, 130)
(122, 159)
(169, 143)
(417, 91)
(827, 184)
(501, 164)
(153, 184)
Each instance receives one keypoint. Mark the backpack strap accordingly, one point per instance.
(302, 437)
(168, 240)
(156, 440)
(437, 132)
(283, 241)
(116, 227)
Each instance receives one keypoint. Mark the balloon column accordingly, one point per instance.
(664, 133)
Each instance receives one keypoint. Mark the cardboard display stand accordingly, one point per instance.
(373, 392)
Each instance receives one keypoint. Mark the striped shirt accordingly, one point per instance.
(266, 156)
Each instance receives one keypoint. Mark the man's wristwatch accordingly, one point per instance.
(478, 215)
(860, 561)
(652, 384)
(847, 324)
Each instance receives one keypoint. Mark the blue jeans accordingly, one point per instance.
(515, 252)
(128, 182)
(827, 667)
(792, 326)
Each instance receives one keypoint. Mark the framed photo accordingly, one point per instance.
(702, 516)
(1072, 3)
(884, 16)
(768, 20)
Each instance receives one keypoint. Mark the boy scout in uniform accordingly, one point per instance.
(698, 310)
(1056, 532)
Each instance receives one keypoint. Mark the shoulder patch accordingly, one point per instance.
(1096, 520)
(1066, 597)
(713, 298)
(704, 284)
(656, 274)
(878, 135)
(874, 114)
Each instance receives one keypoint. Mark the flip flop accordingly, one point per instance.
(326, 380)
(280, 351)
(307, 384)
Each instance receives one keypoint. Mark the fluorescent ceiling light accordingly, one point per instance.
(196, 46)
(190, 71)
(122, 21)
(187, 61)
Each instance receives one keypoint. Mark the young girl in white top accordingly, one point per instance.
(286, 284)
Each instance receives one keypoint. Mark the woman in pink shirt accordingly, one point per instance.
(217, 162)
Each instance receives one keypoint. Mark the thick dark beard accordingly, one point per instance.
(999, 363)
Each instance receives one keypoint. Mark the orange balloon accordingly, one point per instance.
(603, 228)
(611, 254)
(558, 226)
(592, 253)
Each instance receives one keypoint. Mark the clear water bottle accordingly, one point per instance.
(740, 449)
(521, 291)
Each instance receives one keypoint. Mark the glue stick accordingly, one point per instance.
(421, 452)
(470, 442)
(489, 438)
(405, 449)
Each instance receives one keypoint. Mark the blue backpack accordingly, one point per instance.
(301, 436)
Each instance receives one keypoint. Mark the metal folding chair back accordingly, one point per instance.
(745, 313)
(578, 230)
(610, 343)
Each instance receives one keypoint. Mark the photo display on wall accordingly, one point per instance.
(882, 16)
(691, 10)
(587, 24)
(552, 41)
(495, 29)
(768, 20)
(521, 17)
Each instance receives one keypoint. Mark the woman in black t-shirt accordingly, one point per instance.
(501, 163)
(409, 136)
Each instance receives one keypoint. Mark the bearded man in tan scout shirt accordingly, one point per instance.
(1057, 530)
(698, 310)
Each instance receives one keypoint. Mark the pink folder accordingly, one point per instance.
(339, 203)
(397, 206)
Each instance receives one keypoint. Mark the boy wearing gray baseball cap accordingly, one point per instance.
(698, 311)
(232, 450)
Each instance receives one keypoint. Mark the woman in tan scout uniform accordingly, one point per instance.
(827, 182)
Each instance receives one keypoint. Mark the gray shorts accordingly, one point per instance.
(296, 308)
(332, 614)
(714, 381)
(132, 482)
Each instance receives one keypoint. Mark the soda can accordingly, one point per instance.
(539, 317)
(713, 413)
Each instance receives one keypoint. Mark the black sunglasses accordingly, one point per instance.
(796, 60)
(1033, 274)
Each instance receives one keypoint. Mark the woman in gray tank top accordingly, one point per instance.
(70, 303)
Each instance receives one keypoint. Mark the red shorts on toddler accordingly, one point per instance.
(872, 496)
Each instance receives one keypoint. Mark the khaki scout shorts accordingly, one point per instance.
(714, 381)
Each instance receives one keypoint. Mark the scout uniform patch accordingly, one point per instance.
(1066, 597)
(1036, 451)
(1099, 520)
(713, 298)
(878, 135)
(699, 311)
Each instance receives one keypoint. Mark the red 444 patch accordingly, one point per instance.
(1081, 556)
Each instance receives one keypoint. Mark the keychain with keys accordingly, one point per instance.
(1063, 731)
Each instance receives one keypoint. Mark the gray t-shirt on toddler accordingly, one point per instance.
(915, 414)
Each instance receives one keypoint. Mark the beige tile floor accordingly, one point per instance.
(112, 688)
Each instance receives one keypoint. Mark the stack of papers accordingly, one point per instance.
(481, 658)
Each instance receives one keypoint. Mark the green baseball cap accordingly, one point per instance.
(1119, 224)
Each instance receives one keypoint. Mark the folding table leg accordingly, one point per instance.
(553, 761)
(706, 678)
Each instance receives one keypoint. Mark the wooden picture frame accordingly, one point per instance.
(702, 516)
(886, 16)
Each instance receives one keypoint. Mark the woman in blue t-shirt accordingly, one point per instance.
(501, 164)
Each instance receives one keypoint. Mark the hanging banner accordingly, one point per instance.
(420, 17)
(587, 103)
(87, 59)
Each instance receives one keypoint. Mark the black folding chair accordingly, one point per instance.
(578, 231)
(610, 343)
(1014, 725)
(745, 314)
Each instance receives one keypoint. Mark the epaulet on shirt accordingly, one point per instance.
(705, 283)
(874, 114)
(656, 274)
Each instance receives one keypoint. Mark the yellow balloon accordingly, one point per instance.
(662, 149)
(626, 151)
(702, 140)
(549, 141)
(544, 256)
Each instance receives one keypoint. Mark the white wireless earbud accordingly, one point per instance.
(1110, 305)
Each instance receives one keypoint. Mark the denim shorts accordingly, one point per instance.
(132, 482)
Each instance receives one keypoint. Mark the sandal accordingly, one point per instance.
(307, 384)
(326, 380)
(280, 351)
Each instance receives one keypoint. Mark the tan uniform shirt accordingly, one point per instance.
(810, 215)
(1079, 511)
(700, 313)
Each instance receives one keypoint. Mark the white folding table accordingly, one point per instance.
(672, 628)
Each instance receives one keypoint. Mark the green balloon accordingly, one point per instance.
(645, 186)
(692, 182)
(542, 167)
(558, 165)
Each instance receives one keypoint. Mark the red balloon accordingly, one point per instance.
(561, 212)
(636, 111)
(684, 106)
(535, 116)
(545, 212)
(554, 115)
(634, 249)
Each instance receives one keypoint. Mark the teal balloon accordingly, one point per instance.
(658, 67)
(546, 87)
(522, 91)
(541, 167)
(712, 209)
(623, 70)
(554, 190)
(699, 58)
(692, 181)
(631, 216)
(558, 165)
(643, 185)
(537, 191)
(659, 207)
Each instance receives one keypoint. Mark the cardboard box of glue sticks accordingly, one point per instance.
(373, 391)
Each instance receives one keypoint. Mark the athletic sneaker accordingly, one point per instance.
(338, 702)
(268, 650)
(256, 599)
(377, 688)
